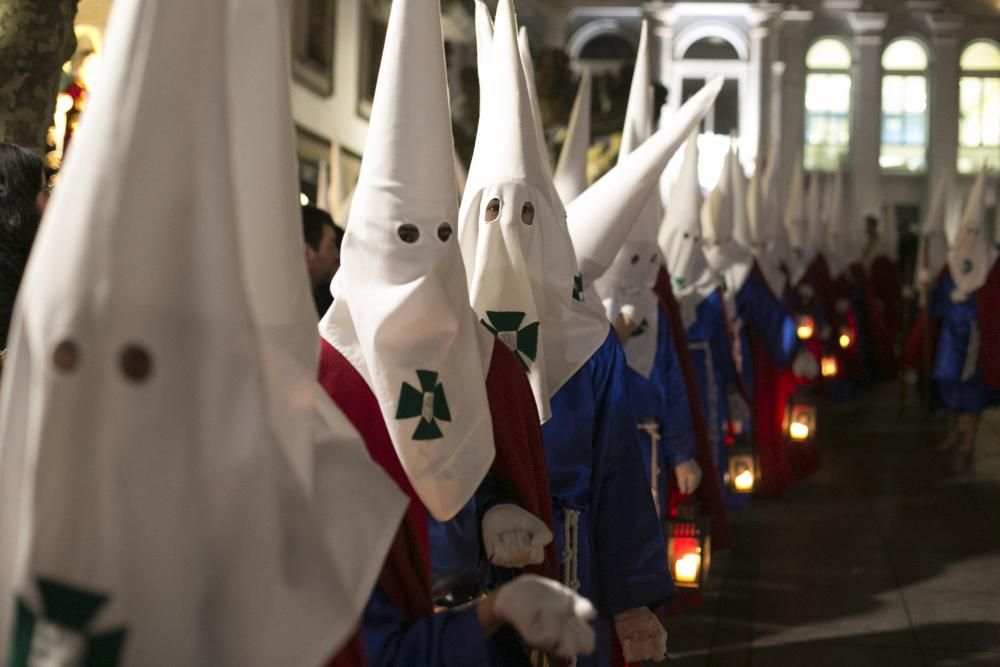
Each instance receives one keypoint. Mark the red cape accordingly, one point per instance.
(818, 277)
(880, 336)
(710, 491)
(988, 316)
(520, 462)
(887, 300)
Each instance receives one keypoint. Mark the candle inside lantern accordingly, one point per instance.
(828, 365)
(686, 568)
(845, 339)
(744, 481)
(799, 431)
(805, 327)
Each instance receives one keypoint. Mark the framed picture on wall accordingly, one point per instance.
(314, 29)
(314, 154)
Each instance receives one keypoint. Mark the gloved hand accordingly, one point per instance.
(641, 634)
(514, 537)
(805, 365)
(688, 476)
(548, 616)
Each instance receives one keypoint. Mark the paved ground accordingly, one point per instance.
(881, 559)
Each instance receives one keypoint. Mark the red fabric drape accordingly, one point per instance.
(988, 316)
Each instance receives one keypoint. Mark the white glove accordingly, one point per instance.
(642, 636)
(547, 615)
(805, 365)
(514, 537)
(688, 476)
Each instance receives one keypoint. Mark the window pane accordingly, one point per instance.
(915, 94)
(981, 56)
(914, 125)
(991, 112)
(969, 96)
(828, 53)
(905, 55)
(892, 129)
(892, 94)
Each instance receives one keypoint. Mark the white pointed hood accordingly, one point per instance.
(974, 252)
(571, 172)
(518, 256)
(840, 250)
(400, 313)
(322, 444)
(679, 237)
(741, 214)
(601, 219)
(797, 225)
(932, 253)
(727, 258)
(484, 43)
(142, 475)
(770, 239)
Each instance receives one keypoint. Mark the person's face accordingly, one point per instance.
(324, 261)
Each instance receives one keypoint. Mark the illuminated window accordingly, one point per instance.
(828, 104)
(979, 107)
(904, 107)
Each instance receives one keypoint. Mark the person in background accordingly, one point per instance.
(322, 253)
(24, 192)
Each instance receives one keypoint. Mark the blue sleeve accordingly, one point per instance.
(678, 443)
(631, 555)
(456, 556)
(722, 353)
(940, 298)
(770, 319)
(447, 639)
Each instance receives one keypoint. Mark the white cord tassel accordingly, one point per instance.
(571, 555)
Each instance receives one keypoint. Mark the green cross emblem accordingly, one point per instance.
(522, 341)
(60, 635)
(967, 266)
(641, 329)
(578, 287)
(428, 403)
(679, 281)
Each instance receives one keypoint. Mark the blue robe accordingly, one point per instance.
(714, 370)
(595, 467)
(447, 639)
(662, 397)
(956, 367)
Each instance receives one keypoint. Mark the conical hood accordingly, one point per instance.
(571, 172)
(601, 219)
(518, 255)
(312, 430)
(401, 310)
(771, 245)
(797, 224)
(839, 251)
(974, 252)
(932, 251)
(528, 66)
(639, 114)
(141, 479)
(484, 44)
(729, 260)
(741, 212)
(680, 234)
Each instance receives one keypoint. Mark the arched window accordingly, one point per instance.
(828, 104)
(711, 48)
(979, 107)
(904, 106)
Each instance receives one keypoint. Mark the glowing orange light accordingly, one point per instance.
(799, 431)
(846, 339)
(805, 327)
(686, 568)
(829, 367)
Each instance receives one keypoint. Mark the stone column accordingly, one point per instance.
(942, 149)
(794, 33)
(866, 110)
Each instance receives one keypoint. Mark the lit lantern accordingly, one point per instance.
(800, 419)
(828, 366)
(689, 547)
(805, 327)
(743, 471)
(846, 338)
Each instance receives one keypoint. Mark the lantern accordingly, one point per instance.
(846, 338)
(689, 547)
(800, 419)
(828, 366)
(743, 470)
(805, 327)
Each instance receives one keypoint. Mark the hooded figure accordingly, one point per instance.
(730, 260)
(151, 512)
(626, 201)
(434, 394)
(520, 263)
(965, 305)
(932, 252)
(797, 226)
(571, 173)
(770, 243)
